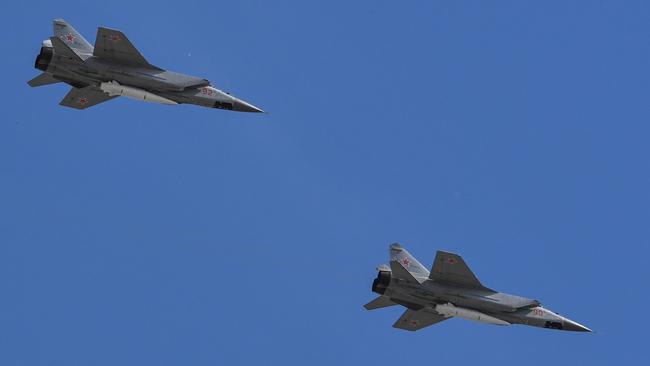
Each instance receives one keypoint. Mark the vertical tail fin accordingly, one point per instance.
(62, 49)
(405, 259)
(71, 37)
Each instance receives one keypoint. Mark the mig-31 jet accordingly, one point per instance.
(114, 67)
(452, 290)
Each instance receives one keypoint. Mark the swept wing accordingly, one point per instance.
(451, 268)
(82, 98)
(113, 45)
(413, 320)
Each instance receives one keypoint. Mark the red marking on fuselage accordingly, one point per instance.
(406, 261)
(70, 38)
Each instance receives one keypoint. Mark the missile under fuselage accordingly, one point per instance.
(449, 310)
(113, 88)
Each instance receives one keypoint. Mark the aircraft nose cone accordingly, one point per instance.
(241, 106)
(574, 327)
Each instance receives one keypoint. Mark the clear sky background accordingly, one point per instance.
(512, 132)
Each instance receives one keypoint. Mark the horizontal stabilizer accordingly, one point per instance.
(413, 320)
(82, 98)
(378, 303)
(43, 79)
(62, 49)
(451, 268)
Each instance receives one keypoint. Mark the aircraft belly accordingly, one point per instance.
(488, 305)
(489, 301)
(71, 77)
(408, 298)
(149, 84)
(182, 81)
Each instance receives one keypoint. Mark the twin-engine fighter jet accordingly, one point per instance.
(114, 67)
(452, 290)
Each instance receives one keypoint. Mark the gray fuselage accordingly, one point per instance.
(180, 88)
(510, 308)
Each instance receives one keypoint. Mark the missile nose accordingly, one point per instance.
(241, 106)
(574, 326)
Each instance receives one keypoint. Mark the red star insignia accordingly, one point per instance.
(406, 261)
(69, 37)
(83, 100)
(451, 260)
(115, 37)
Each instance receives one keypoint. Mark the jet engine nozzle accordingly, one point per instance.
(44, 58)
(380, 284)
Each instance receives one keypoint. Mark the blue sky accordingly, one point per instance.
(514, 133)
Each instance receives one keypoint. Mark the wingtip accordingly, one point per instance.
(447, 253)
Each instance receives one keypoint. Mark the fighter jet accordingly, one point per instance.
(114, 67)
(452, 290)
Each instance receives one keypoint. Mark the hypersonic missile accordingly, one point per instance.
(450, 310)
(113, 88)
